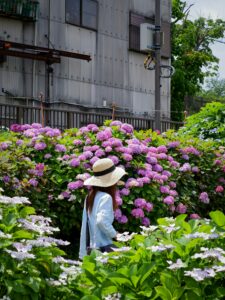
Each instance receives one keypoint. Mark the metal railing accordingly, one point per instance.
(64, 119)
(19, 9)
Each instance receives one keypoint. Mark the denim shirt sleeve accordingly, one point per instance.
(82, 251)
(105, 216)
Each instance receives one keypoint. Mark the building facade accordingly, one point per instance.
(106, 30)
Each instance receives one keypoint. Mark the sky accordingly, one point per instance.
(213, 9)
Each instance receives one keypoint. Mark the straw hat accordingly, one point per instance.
(105, 173)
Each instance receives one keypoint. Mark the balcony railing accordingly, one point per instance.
(26, 10)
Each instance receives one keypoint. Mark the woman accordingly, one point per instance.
(99, 205)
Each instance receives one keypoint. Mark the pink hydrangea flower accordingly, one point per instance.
(219, 189)
(194, 216)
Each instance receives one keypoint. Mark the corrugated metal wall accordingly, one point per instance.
(115, 74)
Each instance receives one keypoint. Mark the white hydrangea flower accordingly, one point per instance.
(177, 265)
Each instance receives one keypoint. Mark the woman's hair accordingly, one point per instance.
(111, 190)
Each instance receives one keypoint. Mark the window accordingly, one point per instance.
(134, 33)
(82, 13)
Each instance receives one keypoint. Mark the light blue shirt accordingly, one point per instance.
(100, 223)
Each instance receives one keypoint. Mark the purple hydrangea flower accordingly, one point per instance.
(148, 207)
(181, 208)
(173, 145)
(75, 162)
(19, 142)
(47, 156)
(99, 153)
(145, 221)
(161, 149)
(77, 142)
(137, 213)
(3, 146)
(195, 169)
(104, 135)
(185, 168)
(127, 157)
(125, 192)
(123, 219)
(93, 160)
(126, 128)
(117, 213)
(169, 200)
(115, 123)
(36, 125)
(6, 179)
(204, 198)
(93, 127)
(140, 202)
(60, 148)
(75, 185)
(164, 189)
(33, 182)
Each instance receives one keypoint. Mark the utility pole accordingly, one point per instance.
(157, 64)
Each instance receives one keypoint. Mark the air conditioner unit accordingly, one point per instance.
(147, 37)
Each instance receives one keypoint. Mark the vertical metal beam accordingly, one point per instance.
(157, 65)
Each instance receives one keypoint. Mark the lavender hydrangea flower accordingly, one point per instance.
(77, 142)
(75, 185)
(137, 213)
(104, 135)
(74, 162)
(148, 206)
(140, 202)
(123, 219)
(47, 156)
(204, 198)
(33, 182)
(115, 123)
(60, 148)
(125, 192)
(145, 221)
(99, 153)
(6, 179)
(169, 200)
(3, 146)
(126, 128)
(181, 208)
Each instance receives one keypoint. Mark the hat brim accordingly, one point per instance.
(106, 180)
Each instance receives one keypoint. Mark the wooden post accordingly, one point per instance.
(113, 111)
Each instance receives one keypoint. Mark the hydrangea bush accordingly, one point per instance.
(209, 123)
(176, 259)
(166, 175)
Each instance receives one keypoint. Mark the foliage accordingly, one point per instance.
(166, 175)
(215, 89)
(192, 56)
(31, 262)
(209, 123)
(177, 259)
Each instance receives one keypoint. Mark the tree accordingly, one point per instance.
(192, 56)
(215, 89)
